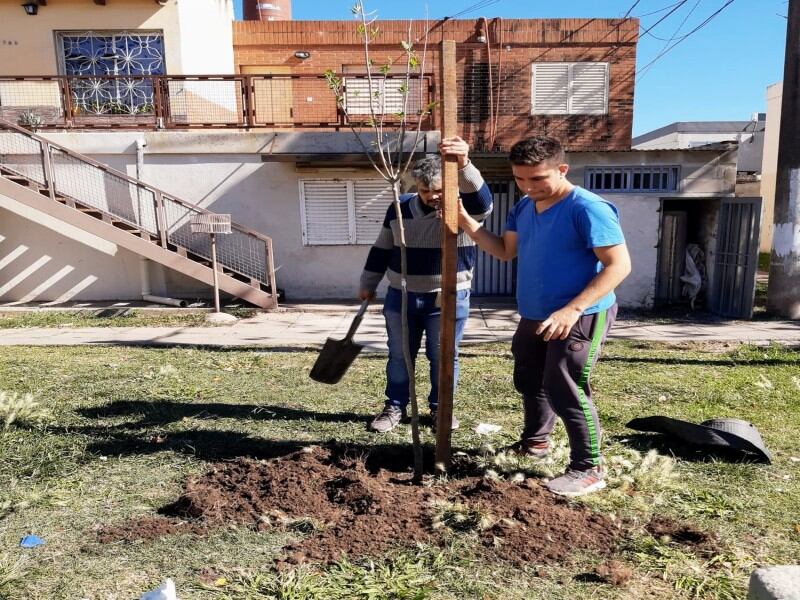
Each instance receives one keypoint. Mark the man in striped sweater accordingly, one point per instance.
(423, 233)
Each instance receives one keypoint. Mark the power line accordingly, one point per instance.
(655, 12)
(674, 8)
(630, 10)
(477, 6)
(710, 18)
(674, 36)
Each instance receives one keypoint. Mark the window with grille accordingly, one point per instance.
(342, 212)
(388, 96)
(99, 56)
(632, 179)
(569, 88)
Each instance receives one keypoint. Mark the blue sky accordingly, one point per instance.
(719, 73)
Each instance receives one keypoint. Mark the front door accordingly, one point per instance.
(736, 259)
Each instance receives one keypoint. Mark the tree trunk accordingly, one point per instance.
(412, 386)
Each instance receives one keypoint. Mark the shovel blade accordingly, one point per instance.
(334, 359)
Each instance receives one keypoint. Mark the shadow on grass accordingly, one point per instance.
(168, 345)
(723, 361)
(162, 412)
(213, 445)
(369, 353)
(679, 449)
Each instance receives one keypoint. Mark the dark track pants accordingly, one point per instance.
(553, 378)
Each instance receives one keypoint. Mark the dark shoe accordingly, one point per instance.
(577, 483)
(530, 449)
(455, 423)
(387, 419)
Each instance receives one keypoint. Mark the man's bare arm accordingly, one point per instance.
(504, 248)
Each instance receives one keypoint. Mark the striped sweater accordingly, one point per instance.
(423, 230)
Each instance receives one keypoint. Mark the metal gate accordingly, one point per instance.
(494, 277)
(671, 256)
(736, 259)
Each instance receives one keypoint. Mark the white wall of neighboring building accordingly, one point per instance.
(224, 172)
(677, 140)
(750, 140)
(206, 37)
(769, 166)
(198, 36)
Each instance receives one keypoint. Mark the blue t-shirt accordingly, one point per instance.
(555, 253)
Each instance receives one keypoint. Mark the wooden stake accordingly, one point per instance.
(449, 207)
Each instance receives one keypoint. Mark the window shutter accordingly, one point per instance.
(550, 88)
(325, 208)
(589, 89)
(372, 198)
(357, 95)
(390, 99)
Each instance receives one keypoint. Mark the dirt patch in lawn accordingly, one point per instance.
(345, 509)
(668, 531)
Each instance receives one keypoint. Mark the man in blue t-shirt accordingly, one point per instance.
(571, 256)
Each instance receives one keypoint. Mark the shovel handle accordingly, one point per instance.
(357, 320)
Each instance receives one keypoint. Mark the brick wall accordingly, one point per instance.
(514, 45)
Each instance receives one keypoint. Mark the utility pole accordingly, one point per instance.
(783, 293)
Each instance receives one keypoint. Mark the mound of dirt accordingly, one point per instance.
(344, 509)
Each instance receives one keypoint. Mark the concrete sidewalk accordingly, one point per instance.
(308, 325)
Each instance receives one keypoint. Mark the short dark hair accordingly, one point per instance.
(536, 150)
(428, 170)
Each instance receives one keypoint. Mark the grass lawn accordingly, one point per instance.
(110, 318)
(117, 430)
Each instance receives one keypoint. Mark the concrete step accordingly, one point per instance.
(125, 226)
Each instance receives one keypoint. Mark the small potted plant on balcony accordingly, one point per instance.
(31, 120)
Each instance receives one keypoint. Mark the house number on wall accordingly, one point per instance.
(9, 43)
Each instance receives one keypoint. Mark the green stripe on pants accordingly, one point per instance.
(597, 335)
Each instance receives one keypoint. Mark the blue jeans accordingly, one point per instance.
(423, 317)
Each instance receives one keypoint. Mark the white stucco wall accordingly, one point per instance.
(206, 37)
(39, 264)
(639, 216)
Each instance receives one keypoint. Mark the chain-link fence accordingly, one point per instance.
(193, 102)
(242, 252)
(21, 155)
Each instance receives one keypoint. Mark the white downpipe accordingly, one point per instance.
(165, 300)
(140, 145)
(144, 271)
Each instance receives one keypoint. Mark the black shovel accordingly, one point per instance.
(336, 356)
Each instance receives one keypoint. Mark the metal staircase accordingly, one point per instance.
(126, 211)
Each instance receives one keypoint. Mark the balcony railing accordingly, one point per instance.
(205, 101)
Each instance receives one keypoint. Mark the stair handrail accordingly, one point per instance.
(121, 175)
(46, 143)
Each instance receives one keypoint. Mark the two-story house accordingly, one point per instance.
(200, 112)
